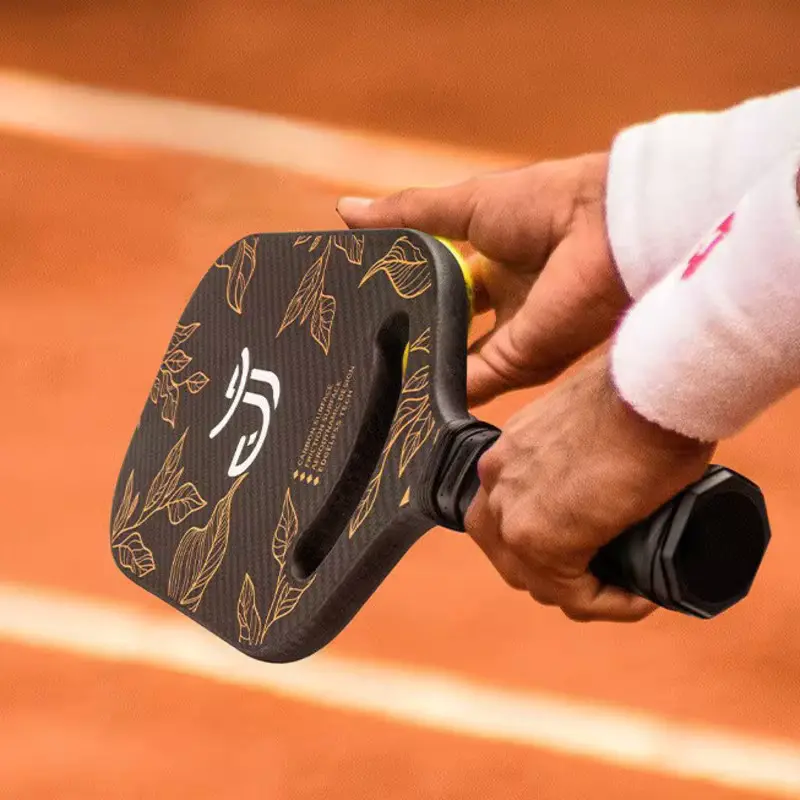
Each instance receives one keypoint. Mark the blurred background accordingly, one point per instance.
(137, 141)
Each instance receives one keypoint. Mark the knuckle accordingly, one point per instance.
(577, 613)
(489, 464)
(542, 593)
(514, 580)
(515, 537)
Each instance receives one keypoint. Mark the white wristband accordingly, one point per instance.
(718, 339)
(669, 180)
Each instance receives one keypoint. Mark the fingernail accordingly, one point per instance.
(353, 204)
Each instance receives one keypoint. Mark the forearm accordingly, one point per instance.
(717, 340)
(672, 179)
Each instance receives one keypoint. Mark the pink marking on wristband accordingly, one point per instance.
(705, 249)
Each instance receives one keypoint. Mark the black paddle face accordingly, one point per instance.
(277, 473)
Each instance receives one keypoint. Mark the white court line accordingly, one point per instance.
(433, 700)
(437, 701)
(30, 104)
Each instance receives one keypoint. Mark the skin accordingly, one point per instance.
(573, 469)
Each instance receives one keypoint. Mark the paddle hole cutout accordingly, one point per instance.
(314, 544)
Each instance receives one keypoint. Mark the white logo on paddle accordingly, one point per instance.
(255, 440)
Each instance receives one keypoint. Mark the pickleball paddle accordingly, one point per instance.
(308, 423)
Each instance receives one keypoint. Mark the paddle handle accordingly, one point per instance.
(698, 553)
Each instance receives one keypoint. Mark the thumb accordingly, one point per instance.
(444, 211)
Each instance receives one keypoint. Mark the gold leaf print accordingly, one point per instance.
(408, 411)
(289, 600)
(240, 272)
(181, 334)
(167, 385)
(306, 295)
(169, 411)
(284, 600)
(155, 392)
(302, 239)
(422, 342)
(166, 493)
(322, 321)
(416, 436)
(135, 556)
(247, 613)
(159, 488)
(367, 502)
(352, 246)
(177, 360)
(405, 266)
(195, 382)
(200, 553)
(166, 378)
(186, 500)
(126, 507)
(417, 382)
(315, 244)
(286, 530)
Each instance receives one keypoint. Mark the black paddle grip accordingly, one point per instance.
(698, 554)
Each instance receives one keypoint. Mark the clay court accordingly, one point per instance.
(137, 141)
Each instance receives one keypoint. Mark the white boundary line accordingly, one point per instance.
(30, 104)
(41, 618)
(437, 701)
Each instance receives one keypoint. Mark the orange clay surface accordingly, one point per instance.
(100, 248)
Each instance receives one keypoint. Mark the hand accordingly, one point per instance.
(548, 272)
(568, 474)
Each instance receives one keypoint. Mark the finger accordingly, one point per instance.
(482, 528)
(444, 211)
(585, 599)
(574, 306)
(484, 383)
(497, 363)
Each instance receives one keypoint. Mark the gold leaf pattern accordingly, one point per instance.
(307, 293)
(181, 334)
(407, 412)
(195, 382)
(416, 435)
(286, 530)
(367, 502)
(200, 553)
(405, 266)
(161, 483)
(165, 493)
(135, 556)
(247, 613)
(417, 382)
(169, 410)
(322, 321)
(155, 392)
(126, 507)
(315, 244)
(285, 596)
(414, 418)
(310, 300)
(288, 601)
(422, 342)
(240, 273)
(302, 239)
(352, 245)
(175, 361)
(185, 501)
